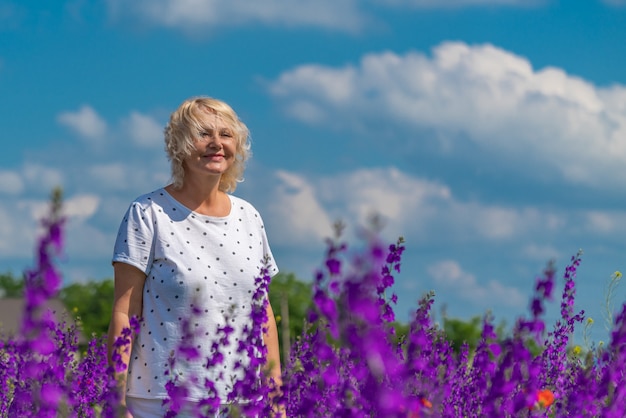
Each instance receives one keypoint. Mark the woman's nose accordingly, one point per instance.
(208, 138)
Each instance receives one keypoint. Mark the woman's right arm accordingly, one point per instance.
(127, 302)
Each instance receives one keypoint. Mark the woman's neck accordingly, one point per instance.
(204, 198)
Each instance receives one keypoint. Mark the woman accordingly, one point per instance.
(190, 251)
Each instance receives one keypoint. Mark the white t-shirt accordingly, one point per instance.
(191, 261)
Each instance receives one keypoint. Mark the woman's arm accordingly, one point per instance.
(127, 302)
(270, 338)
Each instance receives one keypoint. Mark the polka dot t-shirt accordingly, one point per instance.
(193, 263)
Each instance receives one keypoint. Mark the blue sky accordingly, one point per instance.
(491, 134)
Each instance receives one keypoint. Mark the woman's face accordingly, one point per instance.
(215, 147)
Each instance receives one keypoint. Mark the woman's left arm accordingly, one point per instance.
(270, 338)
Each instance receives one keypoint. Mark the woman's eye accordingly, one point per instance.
(227, 134)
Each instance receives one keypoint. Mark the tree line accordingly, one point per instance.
(90, 304)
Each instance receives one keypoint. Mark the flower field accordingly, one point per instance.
(347, 363)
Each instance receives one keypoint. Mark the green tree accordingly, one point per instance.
(458, 332)
(290, 299)
(11, 286)
(91, 303)
(401, 331)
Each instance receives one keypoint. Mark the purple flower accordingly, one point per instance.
(350, 360)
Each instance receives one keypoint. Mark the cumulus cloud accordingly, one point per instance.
(338, 15)
(190, 15)
(124, 176)
(10, 182)
(448, 273)
(134, 137)
(16, 231)
(20, 223)
(110, 176)
(144, 130)
(304, 209)
(409, 204)
(85, 122)
(399, 199)
(540, 252)
(86, 242)
(81, 207)
(605, 222)
(493, 98)
(297, 216)
(42, 178)
(76, 208)
(432, 4)
(97, 186)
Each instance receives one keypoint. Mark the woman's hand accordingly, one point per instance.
(127, 303)
(124, 412)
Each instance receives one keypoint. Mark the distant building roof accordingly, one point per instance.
(12, 309)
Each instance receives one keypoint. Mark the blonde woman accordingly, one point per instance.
(190, 250)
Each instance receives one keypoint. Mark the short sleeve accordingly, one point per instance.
(270, 263)
(133, 244)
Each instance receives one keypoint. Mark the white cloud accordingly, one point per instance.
(302, 209)
(85, 121)
(500, 222)
(544, 119)
(125, 175)
(86, 242)
(10, 182)
(20, 225)
(437, 4)
(76, 209)
(193, 15)
(297, 217)
(605, 222)
(37, 209)
(413, 205)
(144, 130)
(339, 15)
(401, 200)
(110, 176)
(16, 231)
(448, 273)
(7, 224)
(41, 178)
(541, 253)
(81, 207)
(93, 185)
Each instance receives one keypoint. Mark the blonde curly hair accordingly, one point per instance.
(182, 130)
